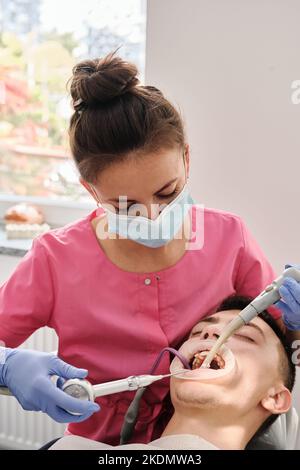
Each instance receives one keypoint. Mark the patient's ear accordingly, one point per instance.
(278, 400)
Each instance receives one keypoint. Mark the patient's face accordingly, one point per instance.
(257, 353)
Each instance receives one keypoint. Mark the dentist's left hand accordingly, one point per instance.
(27, 374)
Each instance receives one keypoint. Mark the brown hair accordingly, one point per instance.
(115, 118)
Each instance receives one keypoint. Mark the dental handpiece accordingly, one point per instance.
(84, 390)
(268, 297)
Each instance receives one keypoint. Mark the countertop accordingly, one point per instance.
(17, 247)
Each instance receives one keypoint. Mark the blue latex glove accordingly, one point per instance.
(290, 302)
(27, 374)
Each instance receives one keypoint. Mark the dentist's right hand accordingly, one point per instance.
(27, 374)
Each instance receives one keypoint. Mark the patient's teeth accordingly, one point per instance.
(198, 360)
(217, 363)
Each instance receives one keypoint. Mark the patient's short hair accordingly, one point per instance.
(287, 368)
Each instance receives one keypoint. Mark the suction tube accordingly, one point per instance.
(234, 325)
(266, 298)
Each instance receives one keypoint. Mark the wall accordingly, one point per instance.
(229, 66)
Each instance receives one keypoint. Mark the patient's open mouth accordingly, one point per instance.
(195, 350)
(198, 359)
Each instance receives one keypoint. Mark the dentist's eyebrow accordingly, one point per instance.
(161, 189)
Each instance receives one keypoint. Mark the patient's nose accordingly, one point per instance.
(210, 332)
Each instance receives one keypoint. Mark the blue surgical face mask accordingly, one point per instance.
(152, 233)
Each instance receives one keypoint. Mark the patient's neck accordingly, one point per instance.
(212, 426)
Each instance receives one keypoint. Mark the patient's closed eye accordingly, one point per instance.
(244, 338)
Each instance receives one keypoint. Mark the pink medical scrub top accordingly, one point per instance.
(113, 322)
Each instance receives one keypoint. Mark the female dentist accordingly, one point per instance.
(117, 289)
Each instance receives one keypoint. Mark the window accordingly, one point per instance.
(40, 42)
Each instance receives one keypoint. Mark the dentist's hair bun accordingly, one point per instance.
(100, 80)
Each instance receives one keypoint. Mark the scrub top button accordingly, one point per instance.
(147, 281)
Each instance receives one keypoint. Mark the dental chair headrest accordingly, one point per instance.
(281, 435)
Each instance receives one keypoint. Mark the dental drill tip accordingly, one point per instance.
(154, 378)
(177, 372)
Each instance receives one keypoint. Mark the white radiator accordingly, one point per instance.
(21, 429)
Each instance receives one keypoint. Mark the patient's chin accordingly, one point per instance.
(188, 395)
